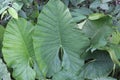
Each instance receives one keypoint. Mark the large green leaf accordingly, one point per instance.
(99, 64)
(4, 74)
(18, 49)
(57, 41)
(98, 31)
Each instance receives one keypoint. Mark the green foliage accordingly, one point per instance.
(49, 40)
(100, 65)
(98, 31)
(55, 34)
(17, 44)
(103, 4)
(4, 74)
(96, 16)
(105, 78)
(4, 5)
(11, 6)
(65, 75)
(1, 38)
(13, 13)
(1, 33)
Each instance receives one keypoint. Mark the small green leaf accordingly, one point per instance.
(104, 6)
(13, 12)
(99, 65)
(98, 31)
(95, 4)
(80, 14)
(96, 16)
(78, 18)
(82, 10)
(114, 53)
(3, 14)
(115, 39)
(17, 6)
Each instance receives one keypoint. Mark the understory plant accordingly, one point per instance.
(60, 47)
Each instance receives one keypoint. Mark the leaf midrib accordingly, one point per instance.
(25, 45)
(59, 25)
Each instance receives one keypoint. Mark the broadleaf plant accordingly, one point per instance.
(99, 65)
(50, 40)
(18, 50)
(98, 31)
(54, 35)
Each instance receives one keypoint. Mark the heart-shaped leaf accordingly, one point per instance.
(18, 49)
(57, 40)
